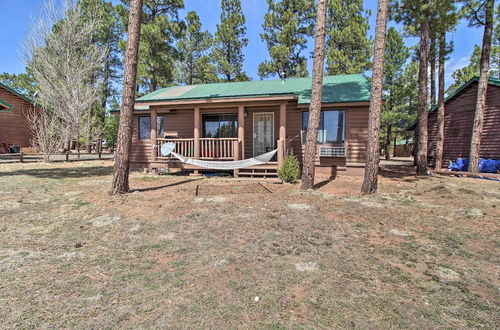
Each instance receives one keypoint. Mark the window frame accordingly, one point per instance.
(139, 128)
(342, 142)
(159, 124)
(219, 115)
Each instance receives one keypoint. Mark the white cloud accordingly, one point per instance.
(451, 66)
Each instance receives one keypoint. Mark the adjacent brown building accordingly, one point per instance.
(239, 120)
(459, 117)
(14, 129)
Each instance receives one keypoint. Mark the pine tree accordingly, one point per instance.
(287, 24)
(370, 180)
(107, 35)
(309, 156)
(120, 184)
(416, 16)
(396, 54)
(160, 29)
(23, 82)
(348, 48)
(230, 41)
(462, 75)
(447, 18)
(195, 66)
(480, 13)
(495, 49)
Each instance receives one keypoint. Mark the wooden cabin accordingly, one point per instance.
(459, 111)
(14, 128)
(239, 120)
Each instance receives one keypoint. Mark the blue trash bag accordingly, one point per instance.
(485, 165)
(489, 165)
(461, 164)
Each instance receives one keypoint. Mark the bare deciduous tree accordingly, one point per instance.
(61, 53)
(45, 129)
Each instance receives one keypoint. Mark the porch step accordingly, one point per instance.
(261, 171)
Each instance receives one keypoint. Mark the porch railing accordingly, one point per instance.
(210, 148)
(185, 147)
(217, 148)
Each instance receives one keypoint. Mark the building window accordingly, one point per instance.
(159, 126)
(219, 126)
(331, 128)
(145, 127)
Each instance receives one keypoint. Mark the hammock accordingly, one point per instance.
(168, 148)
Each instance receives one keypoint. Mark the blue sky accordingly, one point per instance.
(16, 17)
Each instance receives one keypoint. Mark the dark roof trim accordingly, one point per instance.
(6, 105)
(491, 81)
(216, 97)
(13, 91)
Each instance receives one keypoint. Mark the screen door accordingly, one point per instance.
(263, 133)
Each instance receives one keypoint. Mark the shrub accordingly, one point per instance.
(290, 169)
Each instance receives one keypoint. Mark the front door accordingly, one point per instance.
(263, 133)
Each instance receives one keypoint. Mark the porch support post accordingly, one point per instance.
(241, 130)
(154, 134)
(282, 136)
(196, 135)
(239, 146)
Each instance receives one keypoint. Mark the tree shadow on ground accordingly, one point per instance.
(62, 173)
(401, 173)
(324, 182)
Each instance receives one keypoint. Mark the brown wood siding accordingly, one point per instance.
(181, 123)
(357, 134)
(14, 129)
(459, 117)
(141, 148)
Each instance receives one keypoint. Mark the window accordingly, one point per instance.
(145, 126)
(220, 126)
(331, 126)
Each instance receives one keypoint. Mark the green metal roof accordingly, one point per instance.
(24, 97)
(491, 81)
(336, 89)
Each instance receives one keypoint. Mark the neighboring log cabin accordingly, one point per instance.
(238, 120)
(459, 111)
(14, 128)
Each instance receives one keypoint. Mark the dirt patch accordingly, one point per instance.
(230, 188)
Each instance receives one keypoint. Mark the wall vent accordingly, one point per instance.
(332, 151)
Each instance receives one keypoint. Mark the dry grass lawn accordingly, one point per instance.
(422, 253)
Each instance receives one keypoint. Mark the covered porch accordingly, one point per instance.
(244, 131)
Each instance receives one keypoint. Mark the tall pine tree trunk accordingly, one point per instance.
(388, 142)
(432, 65)
(422, 99)
(440, 115)
(477, 127)
(122, 160)
(316, 97)
(370, 181)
